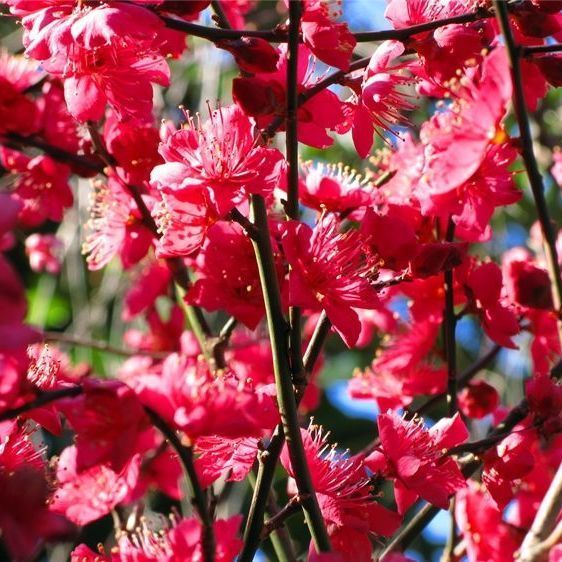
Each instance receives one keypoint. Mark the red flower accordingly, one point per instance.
(228, 277)
(181, 542)
(506, 464)
(456, 141)
(328, 40)
(25, 520)
(220, 457)
(484, 284)
(402, 369)
(478, 399)
(134, 145)
(380, 103)
(478, 517)
(329, 271)
(221, 156)
(115, 227)
(263, 96)
(334, 188)
(108, 420)
(413, 457)
(44, 251)
(41, 184)
(471, 205)
(188, 395)
(18, 112)
(344, 495)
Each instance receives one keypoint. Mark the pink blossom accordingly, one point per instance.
(456, 141)
(478, 399)
(25, 519)
(263, 97)
(329, 271)
(115, 227)
(181, 542)
(18, 111)
(343, 491)
(221, 156)
(330, 41)
(108, 420)
(484, 284)
(44, 251)
(334, 188)
(477, 515)
(413, 456)
(84, 496)
(228, 276)
(380, 102)
(402, 369)
(220, 457)
(187, 395)
(40, 183)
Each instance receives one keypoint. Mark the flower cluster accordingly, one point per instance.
(147, 383)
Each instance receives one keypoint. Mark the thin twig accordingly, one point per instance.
(449, 326)
(185, 455)
(53, 151)
(280, 35)
(280, 539)
(41, 400)
(533, 547)
(535, 178)
(278, 520)
(541, 49)
(63, 337)
(277, 326)
(220, 17)
(292, 154)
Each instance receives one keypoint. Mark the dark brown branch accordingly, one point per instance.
(541, 49)
(535, 178)
(449, 328)
(278, 520)
(41, 400)
(58, 154)
(280, 34)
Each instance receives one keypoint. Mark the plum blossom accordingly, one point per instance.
(344, 494)
(413, 456)
(330, 271)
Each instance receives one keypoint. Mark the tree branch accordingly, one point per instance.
(533, 545)
(185, 455)
(285, 393)
(541, 49)
(449, 327)
(42, 400)
(535, 178)
(292, 153)
(280, 34)
(63, 337)
(59, 154)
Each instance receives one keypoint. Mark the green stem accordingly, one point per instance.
(185, 455)
(285, 393)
